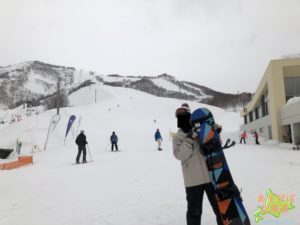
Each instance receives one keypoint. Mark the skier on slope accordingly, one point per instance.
(81, 142)
(114, 141)
(243, 137)
(158, 139)
(19, 146)
(195, 173)
(255, 135)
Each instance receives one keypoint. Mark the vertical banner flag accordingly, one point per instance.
(54, 121)
(71, 121)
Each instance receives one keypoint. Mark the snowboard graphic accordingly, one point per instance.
(226, 192)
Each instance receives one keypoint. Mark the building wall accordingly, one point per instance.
(290, 115)
(296, 133)
(273, 83)
(260, 126)
(276, 97)
(291, 71)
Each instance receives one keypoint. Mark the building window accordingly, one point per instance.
(256, 113)
(267, 109)
(245, 119)
(292, 87)
(251, 116)
(264, 105)
(262, 102)
(261, 130)
(267, 104)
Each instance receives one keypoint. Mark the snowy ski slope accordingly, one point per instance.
(137, 186)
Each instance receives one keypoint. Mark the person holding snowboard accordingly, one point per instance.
(243, 137)
(195, 173)
(81, 142)
(255, 135)
(158, 139)
(114, 141)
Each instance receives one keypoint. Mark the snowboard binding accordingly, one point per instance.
(228, 144)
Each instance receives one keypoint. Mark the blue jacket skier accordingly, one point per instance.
(158, 139)
(114, 141)
(195, 173)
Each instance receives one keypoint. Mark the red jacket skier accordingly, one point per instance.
(243, 137)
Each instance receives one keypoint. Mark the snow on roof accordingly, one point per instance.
(293, 100)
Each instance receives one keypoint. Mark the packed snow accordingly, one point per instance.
(81, 76)
(2, 106)
(167, 84)
(293, 100)
(35, 82)
(119, 78)
(137, 186)
(164, 83)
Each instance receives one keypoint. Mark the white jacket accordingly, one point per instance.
(192, 161)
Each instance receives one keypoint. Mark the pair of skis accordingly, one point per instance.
(80, 163)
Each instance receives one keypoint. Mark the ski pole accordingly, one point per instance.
(89, 152)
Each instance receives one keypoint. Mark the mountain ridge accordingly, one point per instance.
(35, 80)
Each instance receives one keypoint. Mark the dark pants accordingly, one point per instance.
(256, 141)
(114, 144)
(83, 150)
(243, 139)
(194, 197)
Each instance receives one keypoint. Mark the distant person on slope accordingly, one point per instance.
(195, 173)
(114, 141)
(19, 146)
(81, 142)
(243, 137)
(158, 139)
(255, 135)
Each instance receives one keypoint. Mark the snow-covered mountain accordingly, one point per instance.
(34, 81)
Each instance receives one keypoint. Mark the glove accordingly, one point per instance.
(193, 133)
(217, 128)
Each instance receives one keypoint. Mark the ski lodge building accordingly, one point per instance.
(272, 112)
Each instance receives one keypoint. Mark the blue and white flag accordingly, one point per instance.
(70, 123)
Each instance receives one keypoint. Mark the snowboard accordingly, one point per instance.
(227, 194)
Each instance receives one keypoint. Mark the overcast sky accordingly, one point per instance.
(223, 44)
